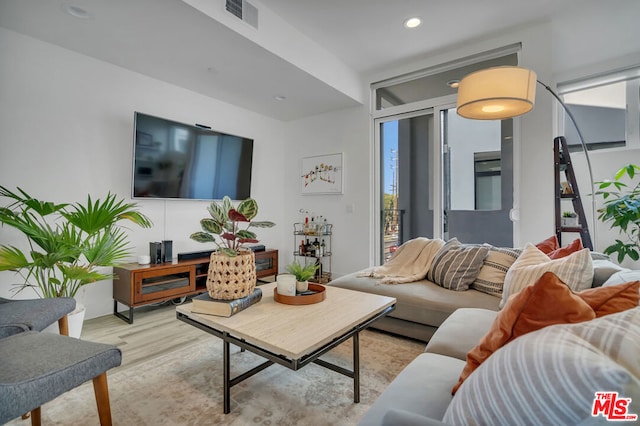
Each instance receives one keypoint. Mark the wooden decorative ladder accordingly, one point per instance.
(568, 190)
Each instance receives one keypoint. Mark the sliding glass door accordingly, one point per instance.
(444, 178)
(406, 181)
(477, 179)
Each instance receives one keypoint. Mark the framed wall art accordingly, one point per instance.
(322, 174)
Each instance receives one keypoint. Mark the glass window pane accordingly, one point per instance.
(601, 112)
(432, 85)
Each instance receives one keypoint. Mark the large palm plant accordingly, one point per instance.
(68, 243)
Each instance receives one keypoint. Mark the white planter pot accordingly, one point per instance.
(75, 319)
(569, 221)
(302, 286)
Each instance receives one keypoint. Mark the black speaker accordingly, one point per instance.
(167, 251)
(155, 252)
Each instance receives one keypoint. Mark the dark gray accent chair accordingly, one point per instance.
(17, 316)
(36, 368)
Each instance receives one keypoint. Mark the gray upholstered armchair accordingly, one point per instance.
(17, 316)
(37, 367)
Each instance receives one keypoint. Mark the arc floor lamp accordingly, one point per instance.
(505, 92)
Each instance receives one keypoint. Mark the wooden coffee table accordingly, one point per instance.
(293, 336)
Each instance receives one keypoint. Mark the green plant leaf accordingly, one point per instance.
(202, 237)
(244, 233)
(262, 224)
(12, 259)
(41, 208)
(227, 205)
(227, 251)
(217, 213)
(248, 208)
(94, 217)
(109, 249)
(211, 225)
(302, 273)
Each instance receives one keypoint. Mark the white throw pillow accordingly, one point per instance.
(575, 270)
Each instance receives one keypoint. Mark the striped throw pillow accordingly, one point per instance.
(575, 270)
(552, 376)
(455, 266)
(490, 280)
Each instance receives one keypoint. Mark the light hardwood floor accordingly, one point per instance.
(155, 331)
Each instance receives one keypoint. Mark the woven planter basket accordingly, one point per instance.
(231, 278)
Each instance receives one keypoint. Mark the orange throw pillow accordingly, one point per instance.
(575, 246)
(549, 301)
(548, 245)
(612, 299)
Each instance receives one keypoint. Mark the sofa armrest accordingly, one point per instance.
(461, 332)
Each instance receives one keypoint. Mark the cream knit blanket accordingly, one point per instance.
(409, 263)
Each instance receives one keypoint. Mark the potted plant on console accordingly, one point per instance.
(69, 244)
(303, 274)
(232, 268)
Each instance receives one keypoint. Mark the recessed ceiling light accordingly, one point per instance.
(279, 97)
(453, 83)
(77, 12)
(412, 22)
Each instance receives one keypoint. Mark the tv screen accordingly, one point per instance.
(176, 160)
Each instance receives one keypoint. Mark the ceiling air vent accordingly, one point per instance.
(244, 10)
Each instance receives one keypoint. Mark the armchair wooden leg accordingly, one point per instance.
(101, 390)
(35, 417)
(63, 325)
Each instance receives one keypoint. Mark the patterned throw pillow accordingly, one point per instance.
(551, 376)
(494, 269)
(455, 266)
(575, 270)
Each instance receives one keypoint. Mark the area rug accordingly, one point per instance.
(184, 387)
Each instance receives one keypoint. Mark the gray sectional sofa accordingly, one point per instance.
(422, 306)
(574, 361)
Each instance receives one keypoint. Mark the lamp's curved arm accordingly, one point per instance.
(586, 155)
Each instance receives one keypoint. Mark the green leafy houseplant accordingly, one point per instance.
(621, 209)
(68, 243)
(302, 272)
(225, 226)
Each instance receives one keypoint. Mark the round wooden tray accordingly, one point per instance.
(302, 300)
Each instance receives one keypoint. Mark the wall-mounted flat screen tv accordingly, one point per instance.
(174, 160)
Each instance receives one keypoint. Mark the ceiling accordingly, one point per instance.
(181, 43)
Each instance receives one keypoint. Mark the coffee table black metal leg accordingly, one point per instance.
(226, 374)
(356, 367)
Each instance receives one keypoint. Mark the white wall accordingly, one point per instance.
(346, 131)
(67, 131)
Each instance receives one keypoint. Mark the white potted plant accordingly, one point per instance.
(569, 219)
(303, 274)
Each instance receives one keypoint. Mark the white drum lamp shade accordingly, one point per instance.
(497, 93)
